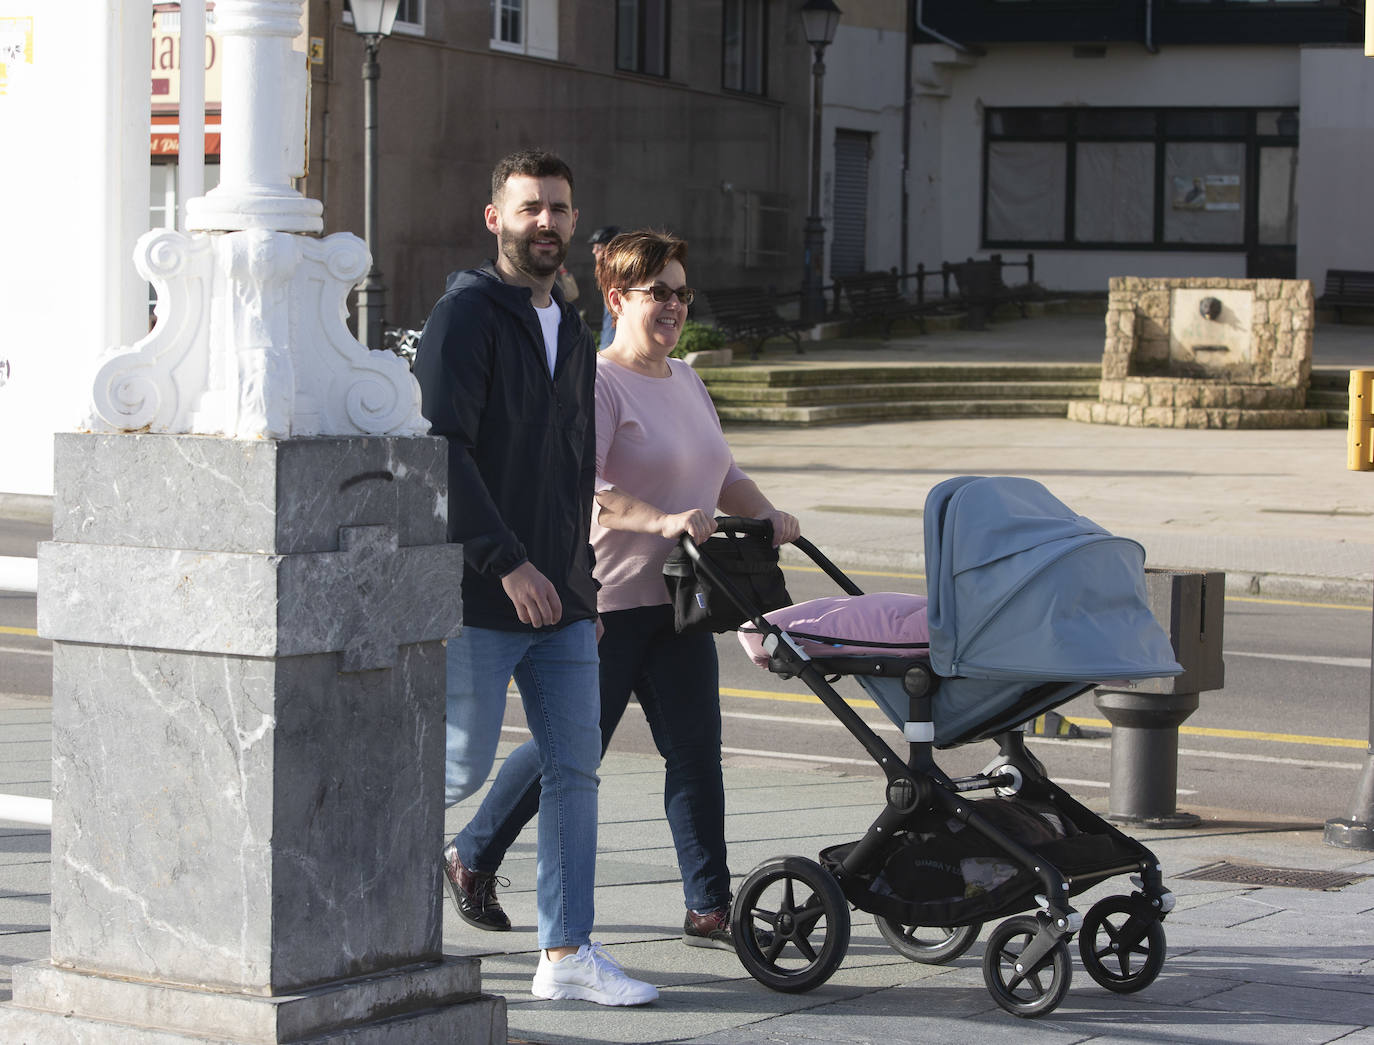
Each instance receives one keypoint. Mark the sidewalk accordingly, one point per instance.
(1278, 511)
(1245, 964)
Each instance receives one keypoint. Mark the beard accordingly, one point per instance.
(516, 249)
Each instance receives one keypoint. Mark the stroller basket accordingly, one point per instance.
(1084, 860)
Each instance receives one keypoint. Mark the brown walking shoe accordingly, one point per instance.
(712, 929)
(474, 893)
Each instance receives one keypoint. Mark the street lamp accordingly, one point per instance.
(372, 20)
(820, 19)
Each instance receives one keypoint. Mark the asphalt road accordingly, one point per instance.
(1285, 739)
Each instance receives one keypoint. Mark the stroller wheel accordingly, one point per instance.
(791, 924)
(1122, 944)
(1025, 992)
(927, 945)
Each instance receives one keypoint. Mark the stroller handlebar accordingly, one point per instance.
(748, 527)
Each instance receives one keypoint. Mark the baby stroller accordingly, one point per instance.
(1029, 605)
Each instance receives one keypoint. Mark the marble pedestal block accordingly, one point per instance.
(248, 746)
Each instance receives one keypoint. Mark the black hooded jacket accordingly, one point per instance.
(521, 442)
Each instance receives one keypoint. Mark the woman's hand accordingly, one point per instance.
(786, 528)
(697, 524)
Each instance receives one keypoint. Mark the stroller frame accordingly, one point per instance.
(795, 946)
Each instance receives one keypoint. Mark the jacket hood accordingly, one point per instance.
(489, 282)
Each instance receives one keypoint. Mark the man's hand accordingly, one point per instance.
(533, 595)
(697, 524)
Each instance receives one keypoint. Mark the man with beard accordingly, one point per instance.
(507, 374)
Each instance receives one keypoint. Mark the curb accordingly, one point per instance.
(26, 507)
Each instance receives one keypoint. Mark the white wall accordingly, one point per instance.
(953, 92)
(75, 194)
(863, 92)
(1335, 158)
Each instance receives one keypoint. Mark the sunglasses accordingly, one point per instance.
(662, 292)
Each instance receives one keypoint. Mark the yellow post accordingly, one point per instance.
(1369, 30)
(1359, 441)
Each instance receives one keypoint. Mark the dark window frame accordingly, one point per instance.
(1251, 138)
(759, 48)
(641, 41)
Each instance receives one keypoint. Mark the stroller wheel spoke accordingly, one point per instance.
(789, 901)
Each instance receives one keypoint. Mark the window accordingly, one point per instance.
(744, 46)
(1205, 179)
(525, 27)
(641, 36)
(410, 17)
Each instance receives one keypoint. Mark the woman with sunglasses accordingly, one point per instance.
(663, 469)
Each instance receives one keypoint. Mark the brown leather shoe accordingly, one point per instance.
(474, 893)
(712, 929)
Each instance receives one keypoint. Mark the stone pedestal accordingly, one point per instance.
(248, 746)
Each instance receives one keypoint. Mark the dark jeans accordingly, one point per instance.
(676, 679)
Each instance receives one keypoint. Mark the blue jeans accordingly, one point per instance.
(555, 670)
(676, 679)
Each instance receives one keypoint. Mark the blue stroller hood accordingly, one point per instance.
(1023, 588)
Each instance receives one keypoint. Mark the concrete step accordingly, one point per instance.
(798, 374)
(819, 395)
(1329, 390)
(836, 393)
(878, 410)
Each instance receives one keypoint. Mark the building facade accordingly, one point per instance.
(692, 117)
(1141, 137)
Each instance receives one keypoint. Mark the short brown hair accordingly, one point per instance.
(531, 163)
(633, 257)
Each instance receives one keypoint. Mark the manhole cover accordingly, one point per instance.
(1287, 877)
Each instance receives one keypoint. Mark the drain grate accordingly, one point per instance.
(1287, 877)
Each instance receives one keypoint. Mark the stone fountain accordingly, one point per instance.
(1206, 353)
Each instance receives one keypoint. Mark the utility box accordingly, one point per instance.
(1190, 607)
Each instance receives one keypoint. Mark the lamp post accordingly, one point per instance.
(820, 19)
(372, 20)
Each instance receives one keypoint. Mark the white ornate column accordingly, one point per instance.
(248, 592)
(250, 340)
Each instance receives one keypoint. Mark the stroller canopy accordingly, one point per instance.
(1021, 587)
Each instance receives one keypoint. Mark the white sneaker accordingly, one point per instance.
(590, 975)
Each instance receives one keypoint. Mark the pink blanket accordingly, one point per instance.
(881, 617)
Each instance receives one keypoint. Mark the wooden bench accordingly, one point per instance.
(1347, 288)
(750, 314)
(878, 296)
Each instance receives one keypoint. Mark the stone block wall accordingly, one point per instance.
(1139, 321)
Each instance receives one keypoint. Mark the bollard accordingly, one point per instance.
(1144, 786)
(1356, 831)
(1359, 438)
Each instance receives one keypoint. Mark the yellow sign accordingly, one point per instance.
(16, 49)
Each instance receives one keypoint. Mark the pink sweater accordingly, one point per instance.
(657, 439)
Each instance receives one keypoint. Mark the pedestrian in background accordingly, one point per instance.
(598, 240)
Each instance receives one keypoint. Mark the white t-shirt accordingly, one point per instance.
(548, 319)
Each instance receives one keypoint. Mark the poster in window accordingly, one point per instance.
(1208, 192)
